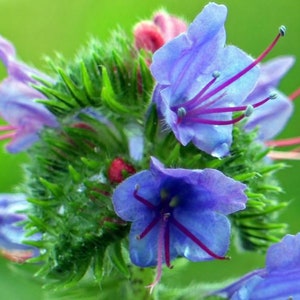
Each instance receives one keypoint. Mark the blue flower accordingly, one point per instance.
(279, 280)
(18, 108)
(11, 233)
(271, 117)
(177, 212)
(201, 82)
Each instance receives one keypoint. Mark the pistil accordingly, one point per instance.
(160, 250)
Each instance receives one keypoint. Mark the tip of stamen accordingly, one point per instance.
(273, 96)
(249, 110)
(216, 74)
(181, 112)
(137, 187)
(282, 30)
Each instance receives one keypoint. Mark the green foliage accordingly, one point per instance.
(101, 100)
(67, 177)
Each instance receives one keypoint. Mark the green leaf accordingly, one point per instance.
(115, 254)
(76, 176)
(151, 123)
(55, 189)
(108, 95)
(77, 92)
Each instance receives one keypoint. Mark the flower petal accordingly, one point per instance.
(283, 285)
(271, 117)
(126, 205)
(184, 54)
(7, 51)
(273, 70)
(284, 255)
(12, 233)
(244, 286)
(17, 103)
(227, 199)
(143, 252)
(213, 230)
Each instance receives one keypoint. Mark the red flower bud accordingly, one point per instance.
(119, 169)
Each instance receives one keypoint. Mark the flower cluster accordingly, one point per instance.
(199, 112)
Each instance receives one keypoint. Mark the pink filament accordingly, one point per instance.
(160, 248)
(284, 142)
(294, 95)
(6, 127)
(7, 136)
(167, 246)
(290, 155)
(217, 122)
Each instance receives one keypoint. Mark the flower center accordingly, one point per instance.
(193, 109)
(164, 218)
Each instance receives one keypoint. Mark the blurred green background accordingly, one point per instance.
(43, 27)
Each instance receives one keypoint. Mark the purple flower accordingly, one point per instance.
(201, 82)
(278, 280)
(24, 116)
(15, 68)
(11, 233)
(273, 116)
(177, 212)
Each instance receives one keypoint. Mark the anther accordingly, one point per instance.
(163, 194)
(136, 187)
(249, 110)
(174, 202)
(282, 30)
(273, 96)
(181, 112)
(216, 74)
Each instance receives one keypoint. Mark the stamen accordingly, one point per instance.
(248, 110)
(284, 142)
(7, 127)
(160, 246)
(7, 136)
(218, 122)
(194, 101)
(294, 95)
(174, 202)
(234, 78)
(290, 155)
(141, 199)
(185, 231)
(281, 33)
(181, 112)
(148, 228)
